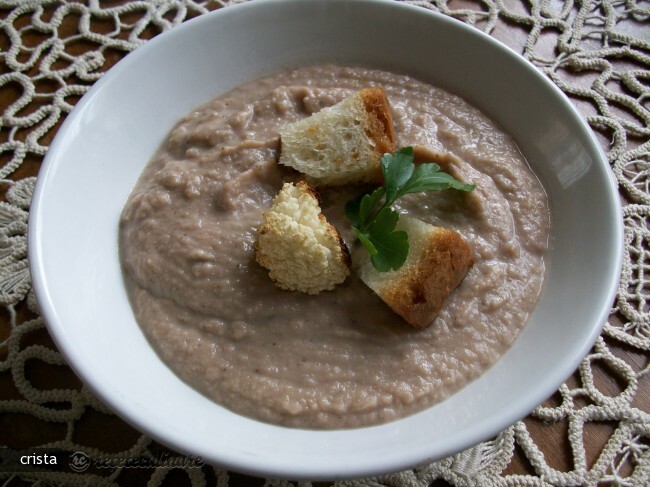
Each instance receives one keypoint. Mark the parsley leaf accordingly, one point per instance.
(385, 221)
(427, 177)
(358, 210)
(375, 224)
(392, 250)
(398, 170)
(364, 238)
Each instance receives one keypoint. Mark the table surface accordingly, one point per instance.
(595, 51)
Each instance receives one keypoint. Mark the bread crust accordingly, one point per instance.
(380, 119)
(343, 255)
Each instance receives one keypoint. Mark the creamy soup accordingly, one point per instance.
(341, 358)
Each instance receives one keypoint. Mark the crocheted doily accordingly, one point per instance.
(585, 47)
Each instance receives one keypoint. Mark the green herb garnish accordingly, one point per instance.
(373, 219)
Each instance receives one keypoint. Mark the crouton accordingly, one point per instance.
(301, 250)
(341, 144)
(437, 262)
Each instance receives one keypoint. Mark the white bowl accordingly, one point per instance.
(104, 143)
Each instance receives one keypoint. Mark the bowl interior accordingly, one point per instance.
(104, 144)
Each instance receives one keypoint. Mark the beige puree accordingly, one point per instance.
(340, 358)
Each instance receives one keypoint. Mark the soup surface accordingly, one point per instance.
(341, 358)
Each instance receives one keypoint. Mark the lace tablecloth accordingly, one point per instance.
(594, 431)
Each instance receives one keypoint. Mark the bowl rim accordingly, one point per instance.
(486, 428)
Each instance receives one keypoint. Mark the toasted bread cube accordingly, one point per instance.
(342, 144)
(437, 262)
(301, 250)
